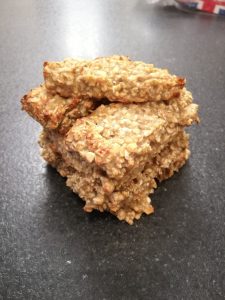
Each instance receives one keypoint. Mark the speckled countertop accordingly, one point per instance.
(51, 249)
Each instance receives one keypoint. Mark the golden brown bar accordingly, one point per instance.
(127, 199)
(119, 137)
(112, 154)
(54, 111)
(115, 77)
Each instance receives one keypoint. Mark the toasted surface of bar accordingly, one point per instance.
(116, 78)
(127, 199)
(118, 137)
(54, 111)
(112, 154)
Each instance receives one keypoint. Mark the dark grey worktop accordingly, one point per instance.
(50, 248)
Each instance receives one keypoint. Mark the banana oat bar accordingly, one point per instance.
(116, 78)
(118, 137)
(127, 199)
(113, 156)
(54, 111)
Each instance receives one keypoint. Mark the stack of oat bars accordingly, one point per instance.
(113, 127)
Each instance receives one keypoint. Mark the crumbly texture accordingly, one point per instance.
(127, 199)
(116, 78)
(54, 111)
(112, 154)
(119, 137)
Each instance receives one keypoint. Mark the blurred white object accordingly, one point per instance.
(162, 2)
(209, 6)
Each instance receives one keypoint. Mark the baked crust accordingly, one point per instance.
(116, 78)
(117, 137)
(127, 199)
(112, 154)
(54, 111)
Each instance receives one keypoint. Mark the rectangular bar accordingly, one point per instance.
(127, 199)
(113, 156)
(116, 78)
(117, 137)
(54, 111)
